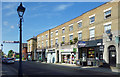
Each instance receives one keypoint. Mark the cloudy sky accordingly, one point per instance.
(38, 17)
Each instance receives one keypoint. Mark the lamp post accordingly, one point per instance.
(20, 11)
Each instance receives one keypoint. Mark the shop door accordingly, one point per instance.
(53, 58)
(58, 56)
(49, 58)
(112, 56)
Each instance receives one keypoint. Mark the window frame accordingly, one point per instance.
(92, 35)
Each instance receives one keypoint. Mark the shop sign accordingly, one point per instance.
(81, 43)
(68, 50)
(101, 48)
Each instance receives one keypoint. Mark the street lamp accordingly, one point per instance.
(20, 11)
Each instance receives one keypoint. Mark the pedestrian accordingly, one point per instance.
(40, 58)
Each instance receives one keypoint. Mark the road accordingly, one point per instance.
(34, 68)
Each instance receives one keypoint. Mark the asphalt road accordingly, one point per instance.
(34, 68)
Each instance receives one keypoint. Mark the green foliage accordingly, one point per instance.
(75, 40)
(17, 56)
(2, 53)
(71, 42)
(10, 53)
(62, 42)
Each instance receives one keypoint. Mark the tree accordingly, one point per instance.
(71, 42)
(10, 53)
(75, 40)
(2, 53)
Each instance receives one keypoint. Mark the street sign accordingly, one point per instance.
(10, 41)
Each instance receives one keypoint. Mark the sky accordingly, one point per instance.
(38, 17)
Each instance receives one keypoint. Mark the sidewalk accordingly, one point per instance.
(90, 68)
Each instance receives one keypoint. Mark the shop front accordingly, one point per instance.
(51, 56)
(90, 54)
(41, 55)
(29, 55)
(68, 56)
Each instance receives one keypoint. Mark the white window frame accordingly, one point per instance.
(46, 43)
(70, 37)
(56, 32)
(71, 25)
(46, 36)
(79, 23)
(38, 38)
(108, 24)
(106, 10)
(42, 37)
(55, 40)
(91, 17)
(51, 34)
(80, 32)
(42, 44)
(64, 38)
(93, 34)
(63, 29)
(38, 44)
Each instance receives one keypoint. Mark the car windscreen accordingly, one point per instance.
(11, 59)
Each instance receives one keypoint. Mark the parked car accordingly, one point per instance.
(10, 60)
(17, 59)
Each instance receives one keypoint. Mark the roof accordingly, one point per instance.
(33, 38)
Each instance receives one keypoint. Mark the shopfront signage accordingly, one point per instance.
(101, 48)
(81, 43)
(66, 50)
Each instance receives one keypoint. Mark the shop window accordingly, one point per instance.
(91, 53)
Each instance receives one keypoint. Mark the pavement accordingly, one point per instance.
(91, 68)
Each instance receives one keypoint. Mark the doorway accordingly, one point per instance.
(112, 55)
